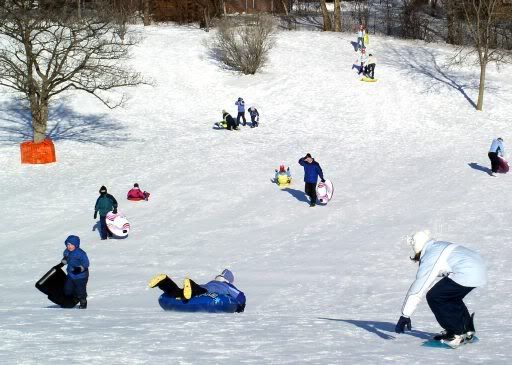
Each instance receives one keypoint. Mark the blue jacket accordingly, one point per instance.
(77, 258)
(497, 147)
(241, 106)
(311, 171)
(221, 287)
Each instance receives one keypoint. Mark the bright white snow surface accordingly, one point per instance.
(324, 285)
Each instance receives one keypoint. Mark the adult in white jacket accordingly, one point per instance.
(461, 270)
(496, 150)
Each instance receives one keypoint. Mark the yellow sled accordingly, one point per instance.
(283, 181)
(367, 79)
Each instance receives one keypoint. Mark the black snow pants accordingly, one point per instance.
(445, 301)
(495, 161)
(310, 190)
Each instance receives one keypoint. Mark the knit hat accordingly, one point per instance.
(418, 240)
(103, 189)
(74, 240)
(226, 275)
(308, 155)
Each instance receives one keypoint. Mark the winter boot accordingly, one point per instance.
(455, 341)
(443, 335)
(83, 304)
(191, 289)
(470, 328)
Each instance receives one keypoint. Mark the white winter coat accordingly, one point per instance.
(444, 259)
(497, 147)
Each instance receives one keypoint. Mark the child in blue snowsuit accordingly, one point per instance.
(241, 111)
(312, 171)
(255, 116)
(77, 269)
(222, 285)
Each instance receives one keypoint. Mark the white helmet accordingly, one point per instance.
(418, 240)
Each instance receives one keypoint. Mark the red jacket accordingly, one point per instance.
(136, 194)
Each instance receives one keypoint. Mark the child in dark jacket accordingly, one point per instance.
(104, 204)
(77, 269)
(255, 116)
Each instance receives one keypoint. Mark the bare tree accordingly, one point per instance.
(243, 43)
(326, 16)
(337, 16)
(481, 19)
(45, 53)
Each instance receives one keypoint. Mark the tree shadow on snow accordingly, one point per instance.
(297, 194)
(63, 124)
(423, 61)
(478, 167)
(381, 328)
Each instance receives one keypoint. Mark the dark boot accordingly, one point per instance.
(83, 304)
(191, 289)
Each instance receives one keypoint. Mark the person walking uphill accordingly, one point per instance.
(312, 171)
(104, 204)
(77, 269)
(461, 270)
(495, 150)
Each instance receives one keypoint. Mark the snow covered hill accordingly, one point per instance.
(324, 285)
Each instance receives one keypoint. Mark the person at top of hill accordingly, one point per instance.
(360, 36)
(461, 270)
(78, 270)
(241, 111)
(369, 69)
(136, 193)
(228, 121)
(361, 60)
(255, 116)
(222, 284)
(496, 150)
(283, 176)
(312, 171)
(104, 204)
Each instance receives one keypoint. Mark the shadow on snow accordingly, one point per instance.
(63, 124)
(478, 167)
(382, 329)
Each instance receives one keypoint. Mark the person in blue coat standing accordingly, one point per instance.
(460, 269)
(77, 269)
(312, 171)
(222, 285)
(496, 150)
(104, 204)
(241, 111)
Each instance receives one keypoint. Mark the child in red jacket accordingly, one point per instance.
(136, 194)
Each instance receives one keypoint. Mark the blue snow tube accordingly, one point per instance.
(212, 303)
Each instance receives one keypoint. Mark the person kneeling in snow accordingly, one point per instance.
(461, 270)
(136, 194)
(283, 176)
(222, 285)
(369, 69)
(228, 121)
(77, 269)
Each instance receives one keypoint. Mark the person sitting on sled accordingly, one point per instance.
(369, 69)
(283, 176)
(228, 121)
(222, 284)
(136, 194)
(361, 60)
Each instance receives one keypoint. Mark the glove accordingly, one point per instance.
(77, 270)
(323, 180)
(114, 211)
(95, 215)
(63, 261)
(402, 323)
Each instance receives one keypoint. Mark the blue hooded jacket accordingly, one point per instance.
(241, 105)
(311, 171)
(76, 258)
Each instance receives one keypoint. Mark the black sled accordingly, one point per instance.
(52, 284)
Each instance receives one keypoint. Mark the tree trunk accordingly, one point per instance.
(326, 16)
(78, 9)
(285, 7)
(39, 109)
(337, 16)
(147, 20)
(481, 87)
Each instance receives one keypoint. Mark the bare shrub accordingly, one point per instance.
(243, 43)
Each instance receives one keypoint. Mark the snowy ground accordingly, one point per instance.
(324, 285)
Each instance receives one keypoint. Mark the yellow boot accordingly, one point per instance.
(155, 280)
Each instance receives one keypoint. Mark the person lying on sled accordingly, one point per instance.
(221, 285)
(283, 176)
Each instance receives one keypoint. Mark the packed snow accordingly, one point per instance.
(324, 285)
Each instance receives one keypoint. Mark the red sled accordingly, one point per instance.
(137, 198)
(503, 167)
